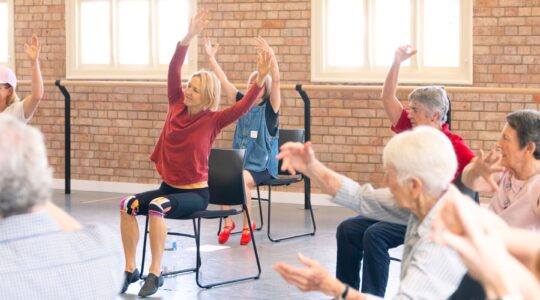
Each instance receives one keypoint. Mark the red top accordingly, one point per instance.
(463, 153)
(182, 151)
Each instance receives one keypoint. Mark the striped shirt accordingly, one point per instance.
(428, 271)
(40, 261)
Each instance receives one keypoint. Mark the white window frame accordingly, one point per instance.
(10, 36)
(152, 71)
(320, 72)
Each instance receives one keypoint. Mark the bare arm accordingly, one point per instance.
(275, 90)
(30, 103)
(392, 106)
(211, 51)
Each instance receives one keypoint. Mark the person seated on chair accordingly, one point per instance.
(360, 238)
(514, 177)
(419, 166)
(10, 103)
(181, 156)
(257, 132)
(46, 254)
(497, 255)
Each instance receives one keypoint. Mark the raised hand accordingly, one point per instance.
(210, 49)
(264, 64)
(33, 49)
(262, 45)
(487, 165)
(296, 157)
(403, 53)
(199, 22)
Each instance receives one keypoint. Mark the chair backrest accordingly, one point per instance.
(225, 176)
(465, 190)
(289, 135)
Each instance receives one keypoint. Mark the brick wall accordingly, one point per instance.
(115, 128)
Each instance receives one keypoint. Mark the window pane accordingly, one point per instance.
(133, 32)
(392, 21)
(441, 33)
(95, 32)
(173, 21)
(345, 33)
(3, 32)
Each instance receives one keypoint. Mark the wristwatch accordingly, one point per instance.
(346, 291)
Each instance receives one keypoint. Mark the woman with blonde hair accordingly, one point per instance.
(10, 103)
(181, 156)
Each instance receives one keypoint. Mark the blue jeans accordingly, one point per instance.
(362, 238)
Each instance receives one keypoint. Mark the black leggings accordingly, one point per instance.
(167, 201)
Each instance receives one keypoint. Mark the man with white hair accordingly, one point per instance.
(46, 254)
(361, 239)
(419, 166)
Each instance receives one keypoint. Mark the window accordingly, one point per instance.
(7, 58)
(355, 40)
(126, 39)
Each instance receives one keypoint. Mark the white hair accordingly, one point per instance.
(424, 152)
(25, 176)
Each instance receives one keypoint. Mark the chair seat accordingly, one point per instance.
(283, 180)
(213, 214)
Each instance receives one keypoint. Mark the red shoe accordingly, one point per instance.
(246, 235)
(226, 233)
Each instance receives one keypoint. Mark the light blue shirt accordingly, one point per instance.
(40, 261)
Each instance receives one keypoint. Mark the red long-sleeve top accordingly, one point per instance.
(182, 151)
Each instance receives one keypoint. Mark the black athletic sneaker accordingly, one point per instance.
(151, 285)
(129, 279)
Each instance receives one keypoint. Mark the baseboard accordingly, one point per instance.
(132, 188)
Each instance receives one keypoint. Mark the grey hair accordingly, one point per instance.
(526, 123)
(424, 152)
(25, 176)
(267, 83)
(434, 98)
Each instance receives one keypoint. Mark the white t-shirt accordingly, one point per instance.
(17, 110)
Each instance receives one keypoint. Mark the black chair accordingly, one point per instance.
(284, 178)
(226, 184)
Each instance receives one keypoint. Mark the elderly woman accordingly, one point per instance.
(360, 238)
(181, 156)
(9, 101)
(419, 166)
(514, 174)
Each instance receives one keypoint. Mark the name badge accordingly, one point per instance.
(254, 134)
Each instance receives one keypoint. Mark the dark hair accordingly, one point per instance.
(526, 123)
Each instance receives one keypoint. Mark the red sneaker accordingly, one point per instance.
(226, 233)
(246, 235)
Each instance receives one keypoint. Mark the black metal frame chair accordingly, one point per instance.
(284, 178)
(226, 184)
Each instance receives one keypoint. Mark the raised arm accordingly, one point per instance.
(233, 113)
(30, 102)
(275, 90)
(174, 79)
(211, 50)
(391, 103)
(479, 174)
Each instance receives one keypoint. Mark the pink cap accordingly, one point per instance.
(7, 76)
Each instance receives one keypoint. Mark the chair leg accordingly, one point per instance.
(199, 260)
(307, 206)
(260, 209)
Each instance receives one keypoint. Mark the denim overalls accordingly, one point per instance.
(252, 134)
